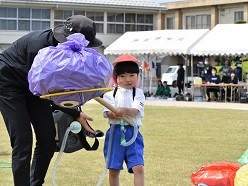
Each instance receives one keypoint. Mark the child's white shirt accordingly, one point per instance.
(124, 98)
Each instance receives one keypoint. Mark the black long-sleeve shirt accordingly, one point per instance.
(17, 60)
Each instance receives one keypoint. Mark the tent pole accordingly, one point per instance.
(143, 74)
(142, 79)
(186, 76)
(150, 73)
(242, 67)
(192, 82)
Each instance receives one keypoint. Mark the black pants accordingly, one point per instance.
(180, 85)
(215, 90)
(19, 109)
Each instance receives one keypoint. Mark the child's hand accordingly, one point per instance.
(121, 112)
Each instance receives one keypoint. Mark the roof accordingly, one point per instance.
(159, 42)
(146, 4)
(224, 39)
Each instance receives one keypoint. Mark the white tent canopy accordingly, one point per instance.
(160, 42)
(223, 39)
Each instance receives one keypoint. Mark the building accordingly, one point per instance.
(115, 17)
(201, 14)
(112, 18)
(197, 14)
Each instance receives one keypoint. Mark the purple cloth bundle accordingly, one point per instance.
(69, 66)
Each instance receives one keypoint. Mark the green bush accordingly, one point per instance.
(240, 22)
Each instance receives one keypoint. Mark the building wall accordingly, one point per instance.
(226, 13)
(221, 11)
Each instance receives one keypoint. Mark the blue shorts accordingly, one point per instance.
(132, 154)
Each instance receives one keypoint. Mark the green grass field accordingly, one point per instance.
(178, 141)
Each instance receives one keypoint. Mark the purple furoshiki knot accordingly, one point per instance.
(67, 67)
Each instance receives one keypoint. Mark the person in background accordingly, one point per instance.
(226, 71)
(180, 78)
(22, 111)
(213, 79)
(167, 91)
(200, 66)
(238, 71)
(207, 69)
(159, 91)
(232, 80)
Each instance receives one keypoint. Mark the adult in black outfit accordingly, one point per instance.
(180, 78)
(20, 108)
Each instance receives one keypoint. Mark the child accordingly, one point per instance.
(129, 102)
(167, 91)
(160, 89)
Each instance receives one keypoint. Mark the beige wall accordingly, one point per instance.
(200, 3)
(221, 11)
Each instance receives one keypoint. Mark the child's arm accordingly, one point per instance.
(121, 111)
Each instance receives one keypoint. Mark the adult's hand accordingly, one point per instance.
(82, 120)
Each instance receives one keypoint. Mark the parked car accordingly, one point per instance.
(170, 76)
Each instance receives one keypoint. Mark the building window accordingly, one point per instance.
(203, 21)
(144, 22)
(62, 15)
(170, 22)
(40, 19)
(198, 22)
(97, 17)
(8, 18)
(115, 23)
(190, 22)
(238, 16)
(24, 19)
(122, 22)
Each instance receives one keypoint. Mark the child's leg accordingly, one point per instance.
(138, 171)
(114, 177)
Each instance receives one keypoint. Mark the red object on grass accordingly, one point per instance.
(216, 174)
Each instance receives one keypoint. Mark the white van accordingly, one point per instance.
(170, 76)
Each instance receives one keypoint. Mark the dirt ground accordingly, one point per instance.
(213, 105)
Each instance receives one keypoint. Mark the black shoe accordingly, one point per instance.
(209, 100)
(98, 134)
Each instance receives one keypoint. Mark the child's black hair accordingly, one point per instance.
(129, 67)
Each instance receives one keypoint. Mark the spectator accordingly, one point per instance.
(238, 71)
(163, 91)
(167, 91)
(213, 79)
(159, 91)
(226, 71)
(180, 78)
(207, 69)
(231, 80)
(200, 66)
